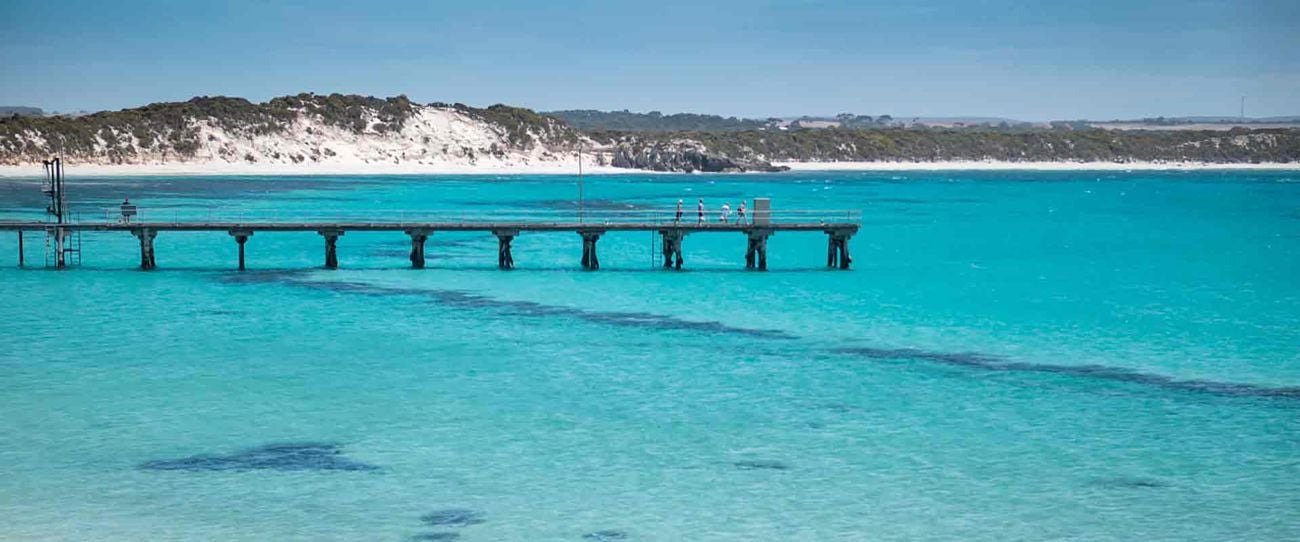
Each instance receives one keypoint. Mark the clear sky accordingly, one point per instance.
(1032, 60)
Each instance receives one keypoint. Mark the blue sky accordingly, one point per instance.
(1034, 60)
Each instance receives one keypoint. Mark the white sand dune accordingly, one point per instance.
(434, 140)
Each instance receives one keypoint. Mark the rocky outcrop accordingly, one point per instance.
(680, 155)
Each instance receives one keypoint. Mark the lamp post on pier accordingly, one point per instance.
(581, 204)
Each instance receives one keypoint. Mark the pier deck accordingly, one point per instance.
(520, 226)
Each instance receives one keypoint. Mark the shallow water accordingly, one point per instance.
(1015, 355)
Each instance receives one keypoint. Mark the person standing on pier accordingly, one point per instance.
(740, 213)
(726, 211)
(700, 208)
(679, 211)
(128, 210)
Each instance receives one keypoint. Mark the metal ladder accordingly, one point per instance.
(655, 249)
(71, 246)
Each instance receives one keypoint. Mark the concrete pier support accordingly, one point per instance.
(672, 248)
(504, 237)
(241, 237)
(837, 252)
(331, 247)
(418, 237)
(20, 248)
(60, 254)
(756, 253)
(589, 258)
(146, 235)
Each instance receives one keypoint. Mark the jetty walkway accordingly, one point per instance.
(838, 226)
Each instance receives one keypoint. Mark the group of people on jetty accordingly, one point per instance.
(724, 217)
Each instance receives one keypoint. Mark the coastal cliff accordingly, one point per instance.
(371, 134)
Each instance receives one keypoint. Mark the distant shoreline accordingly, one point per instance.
(1028, 166)
(570, 168)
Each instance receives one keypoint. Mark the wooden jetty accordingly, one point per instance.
(838, 226)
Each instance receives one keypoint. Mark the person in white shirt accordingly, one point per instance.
(726, 211)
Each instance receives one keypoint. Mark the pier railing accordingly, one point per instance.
(595, 217)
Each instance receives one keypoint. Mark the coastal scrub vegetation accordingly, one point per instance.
(1026, 145)
(626, 121)
(590, 120)
(118, 134)
(522, 126)
(351, 111)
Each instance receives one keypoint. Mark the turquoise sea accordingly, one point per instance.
(1015, 356)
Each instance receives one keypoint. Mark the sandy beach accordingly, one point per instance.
(226, 168)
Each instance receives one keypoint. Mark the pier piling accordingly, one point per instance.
(756, 253)
(146, 235)
(589, 258)
(418, 237)
(837, 254)
(241, 237)
(59, 254)
(331, 247)
(504, 237)
(672, 248)
(20, 248)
